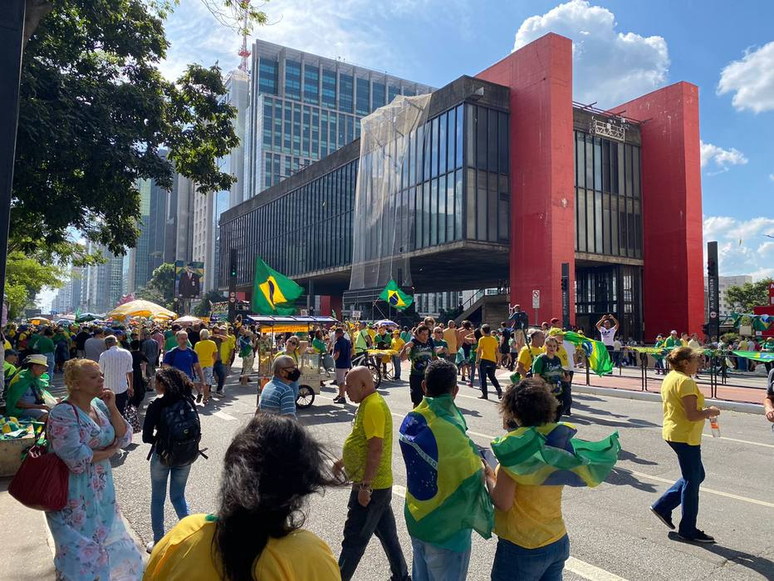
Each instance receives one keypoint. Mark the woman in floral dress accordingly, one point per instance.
(85, 432)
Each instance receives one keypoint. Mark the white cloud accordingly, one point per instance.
(771, 177)
(719, 159)
(609, 66)
(743, 247)
(751, 80)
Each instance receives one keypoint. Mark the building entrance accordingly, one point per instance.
(613, 289)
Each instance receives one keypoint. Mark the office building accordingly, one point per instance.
(504, 179)
(724, 283)
(304, 107)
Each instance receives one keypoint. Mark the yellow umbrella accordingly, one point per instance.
(40, 321)
(139, 308)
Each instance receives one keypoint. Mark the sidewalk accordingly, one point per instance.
(24, 552)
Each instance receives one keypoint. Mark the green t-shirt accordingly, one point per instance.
(420, 355)
(672, 342)
(361, 343)
(550, 369)
(45, 345)
(319, 345)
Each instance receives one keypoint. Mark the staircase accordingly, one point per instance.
(491, 309)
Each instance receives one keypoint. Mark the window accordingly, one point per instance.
(307, 135)
(267, 124)
(329, 89)
(311, 84)
(363, 104)
(379, 96)
(392, 92)
(293, 80)
(288, 128)
(346, 93)
(268, 74)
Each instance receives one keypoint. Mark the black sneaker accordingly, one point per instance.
(483, 397)
(219, 392)
(667, 520)
(199, 398)
(339, 400)
(699, 537)
(499, 395)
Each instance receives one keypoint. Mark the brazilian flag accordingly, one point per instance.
(396, 297)
(445, 491)
(596, 352)
(756, 356)
(273, 293)
(550, 455)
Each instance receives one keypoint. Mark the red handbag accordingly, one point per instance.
(42, 480)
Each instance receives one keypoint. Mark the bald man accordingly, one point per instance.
(367, 462)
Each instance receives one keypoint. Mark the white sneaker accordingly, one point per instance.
(149, 547)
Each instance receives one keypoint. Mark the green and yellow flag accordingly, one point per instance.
(396, 297)
(756, 355)
(550, 455)
(445, 491)
(596, 352)
(273, 293)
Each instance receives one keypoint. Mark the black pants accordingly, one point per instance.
(362, 523)
(121, 401)
(486, 369)
(415, 388)
(220, 373)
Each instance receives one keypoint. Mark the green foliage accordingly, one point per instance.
(161, 287)
(25, 277)
(205, 306)
(95, 114)
(744, 298)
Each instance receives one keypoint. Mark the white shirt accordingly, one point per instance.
(115, 363)
(570, 348)
(608, 335)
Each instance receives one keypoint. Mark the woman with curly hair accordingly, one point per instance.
(270, 468)
(533, 542)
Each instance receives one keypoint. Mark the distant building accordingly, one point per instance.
(724, 283)
(102, 285)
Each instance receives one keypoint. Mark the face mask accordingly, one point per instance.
(294, 374)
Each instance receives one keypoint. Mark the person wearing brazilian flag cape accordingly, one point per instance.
(446, 498)
(537, 459)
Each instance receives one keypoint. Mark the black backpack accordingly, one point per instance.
(180, 446)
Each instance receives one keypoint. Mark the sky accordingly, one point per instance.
(621, 49)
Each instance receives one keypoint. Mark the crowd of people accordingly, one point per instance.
(274, 464)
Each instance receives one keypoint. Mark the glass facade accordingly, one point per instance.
(609, 289)
(268, 76)
(608, 199)
(292, 80)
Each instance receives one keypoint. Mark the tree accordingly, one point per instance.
(750, 294)
(25, 277)
(95, 114)
(161, 287)
(204, 308)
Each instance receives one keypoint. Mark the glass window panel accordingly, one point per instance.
(621, 169)
(434, 148)
(427, 211)
(363, 98)
(427, 151)
(268, 76)
(589, 162)
(493, 199)
(413, 155)
(292, 80)
(636, 171)
(481, 137)
(350, 129)
(458, 147)
(311, 84)
(342, 130)
(580, 160)
(492, 156)
(458, 208)
(615, 249)
(434, 211)
(346, 93)
(482, 206)
(443, 121)
(413, 216)
(329, 89)
(606, 242)
(628, 168)
(503, 137)
(451, 207)
(392, 92)
(503, 216)
(442, 210)
(597, 164)
(450, 139)
(471, 205)
(379, 95)
(590, 226)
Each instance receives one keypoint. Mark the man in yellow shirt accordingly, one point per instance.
(529, 353)
(396, 345)
(367, 462)
(450, 336)
(207, 351)
(486, 359)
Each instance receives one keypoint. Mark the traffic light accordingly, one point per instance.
(233, 264)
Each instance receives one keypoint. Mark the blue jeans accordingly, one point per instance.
(432, 563)
(219, 370)
(513, 562)
(396, 366)
(51, 363)
(685, 491)
(178, 476)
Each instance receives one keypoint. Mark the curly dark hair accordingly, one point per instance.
(269, 470)
(176, 383)
(529, 403)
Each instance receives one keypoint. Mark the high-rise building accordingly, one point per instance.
(103, 284)
(304, 106)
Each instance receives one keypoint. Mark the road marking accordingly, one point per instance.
(740, 441)
(588, 571)
(223, 416)
(585, 570)
(703, 489)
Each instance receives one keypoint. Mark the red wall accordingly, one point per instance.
(329, 303)
(673, 285)
(542, 182)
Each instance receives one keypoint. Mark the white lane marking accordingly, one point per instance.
(740, 441)
(588, 571)
(585, 570)
(703, 489)
(223, 416)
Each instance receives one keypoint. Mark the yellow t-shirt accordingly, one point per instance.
(226, 347)
(677, 427)
(488, 346)
(397, 344)
(528, 354)
(535, 518)
(373, 419)
(206, 351)
(450, 336)
(185, 554)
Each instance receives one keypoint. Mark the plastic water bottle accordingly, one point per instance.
(715, 427)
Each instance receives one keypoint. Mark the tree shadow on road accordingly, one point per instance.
(760, 565)
(622, 477)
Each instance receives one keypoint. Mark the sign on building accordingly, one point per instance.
(535, 299)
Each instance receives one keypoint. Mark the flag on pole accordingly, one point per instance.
(396, 297)
(596, 352)
(273, 293)
(550, 455)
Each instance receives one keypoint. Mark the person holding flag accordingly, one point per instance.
(446, 499)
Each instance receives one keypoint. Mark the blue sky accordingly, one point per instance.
(622, 48)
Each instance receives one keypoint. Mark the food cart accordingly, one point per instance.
(313, 372)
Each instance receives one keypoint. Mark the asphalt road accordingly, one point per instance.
(613, 536)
